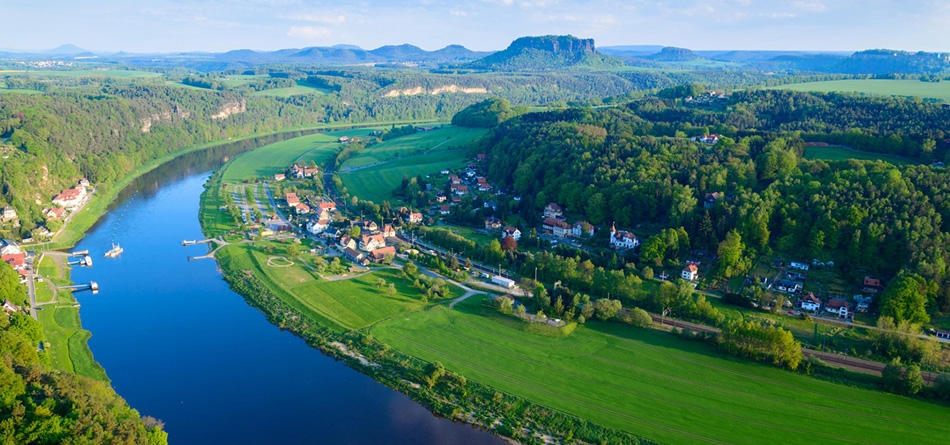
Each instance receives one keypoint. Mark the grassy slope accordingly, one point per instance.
(402, 157)
(936, 90)
(68, 349)
(843, 154)
(275, 158)
(659, 386)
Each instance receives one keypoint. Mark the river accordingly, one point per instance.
(180, 346)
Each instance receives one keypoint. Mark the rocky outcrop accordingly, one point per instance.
(230, 108)
(166, 116)
(437, 90)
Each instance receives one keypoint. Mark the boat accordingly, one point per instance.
(114, 252)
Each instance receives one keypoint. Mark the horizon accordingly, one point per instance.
(213, 26)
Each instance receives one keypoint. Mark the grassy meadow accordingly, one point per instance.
(843, 154)
(657, 385)
(68, 341)
(381, 167)
(884, 87)
(275, 158)
(345, 304)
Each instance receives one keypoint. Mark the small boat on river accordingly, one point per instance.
(114, 252)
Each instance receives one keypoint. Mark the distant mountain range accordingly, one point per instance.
(526, 53)
(547, 53)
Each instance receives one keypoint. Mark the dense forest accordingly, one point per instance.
(101, 127)
(752, 192)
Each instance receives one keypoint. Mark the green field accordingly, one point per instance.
(275, 158)
(389, 161)
(376, 183)
(343, 305)
(122, 74)
(843, 154)
(68, 347)
(912, 88)
(656, 385)
(446, 138)
(300, 88)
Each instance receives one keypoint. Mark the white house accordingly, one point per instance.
(840, 308)
(800, 266)
(553, 210)
(810, 302)
(557, 227)
(370, 243)
(70, 198)
(512, 232)
(316, 226)
(582, 228)
(502, 281)
(9, 213)
(690, 273)
(8, 247)
(620, 239)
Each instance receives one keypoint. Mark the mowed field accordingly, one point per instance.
(656, 385)
(346, 304)
(914, 88)
(380, 168)
(843, 154)
(275, 158)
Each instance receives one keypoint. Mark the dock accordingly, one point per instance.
(92, 285)
(193, 242)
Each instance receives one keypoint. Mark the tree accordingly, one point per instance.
(647, 273)
(508, 244)
(293, 250)
(505, 305)
(520, 311)
(10, 286)
(942, 386)
(640, 318)
(410, 269)
(354, 232)
(730, 254)
(605, 309)
(904, 298)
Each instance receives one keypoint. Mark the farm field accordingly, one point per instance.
(913, 88)
(275, 158)
(343, 304)
(843, 154)
(445, 138)
(382, 166)
(657, 385)
(375, 183)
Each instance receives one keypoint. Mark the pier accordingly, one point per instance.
(193, 242)
(92, 285)
(80, 253)
(85, 261)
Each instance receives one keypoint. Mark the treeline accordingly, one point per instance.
(41, 405)
(487, 113)
(745, 196)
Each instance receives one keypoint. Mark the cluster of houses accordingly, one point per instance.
(838, 307)
(11, 254)
(371, 245)
(297, 172)
(554, 222)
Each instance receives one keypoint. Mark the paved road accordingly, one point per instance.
(31, 285)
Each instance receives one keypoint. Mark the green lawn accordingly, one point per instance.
(914, 88)
(275, 158)
(377, 182)
(446, 138)
(656, 385)
(68, 347)
(843, 154)
(343, 305)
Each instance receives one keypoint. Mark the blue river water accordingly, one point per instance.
(180, 346)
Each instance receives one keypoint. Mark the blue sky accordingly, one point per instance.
(220, 25)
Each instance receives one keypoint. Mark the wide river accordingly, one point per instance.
(179, 345)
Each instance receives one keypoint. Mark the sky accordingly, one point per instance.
(221, 25)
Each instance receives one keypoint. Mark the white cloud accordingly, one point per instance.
(309, 32)
(810, 6)
(458, 13)
(318, 18)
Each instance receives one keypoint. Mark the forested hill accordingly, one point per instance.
(548, 53)
(634, 166)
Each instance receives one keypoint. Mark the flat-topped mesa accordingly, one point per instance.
(555, 44)
(548, 53)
